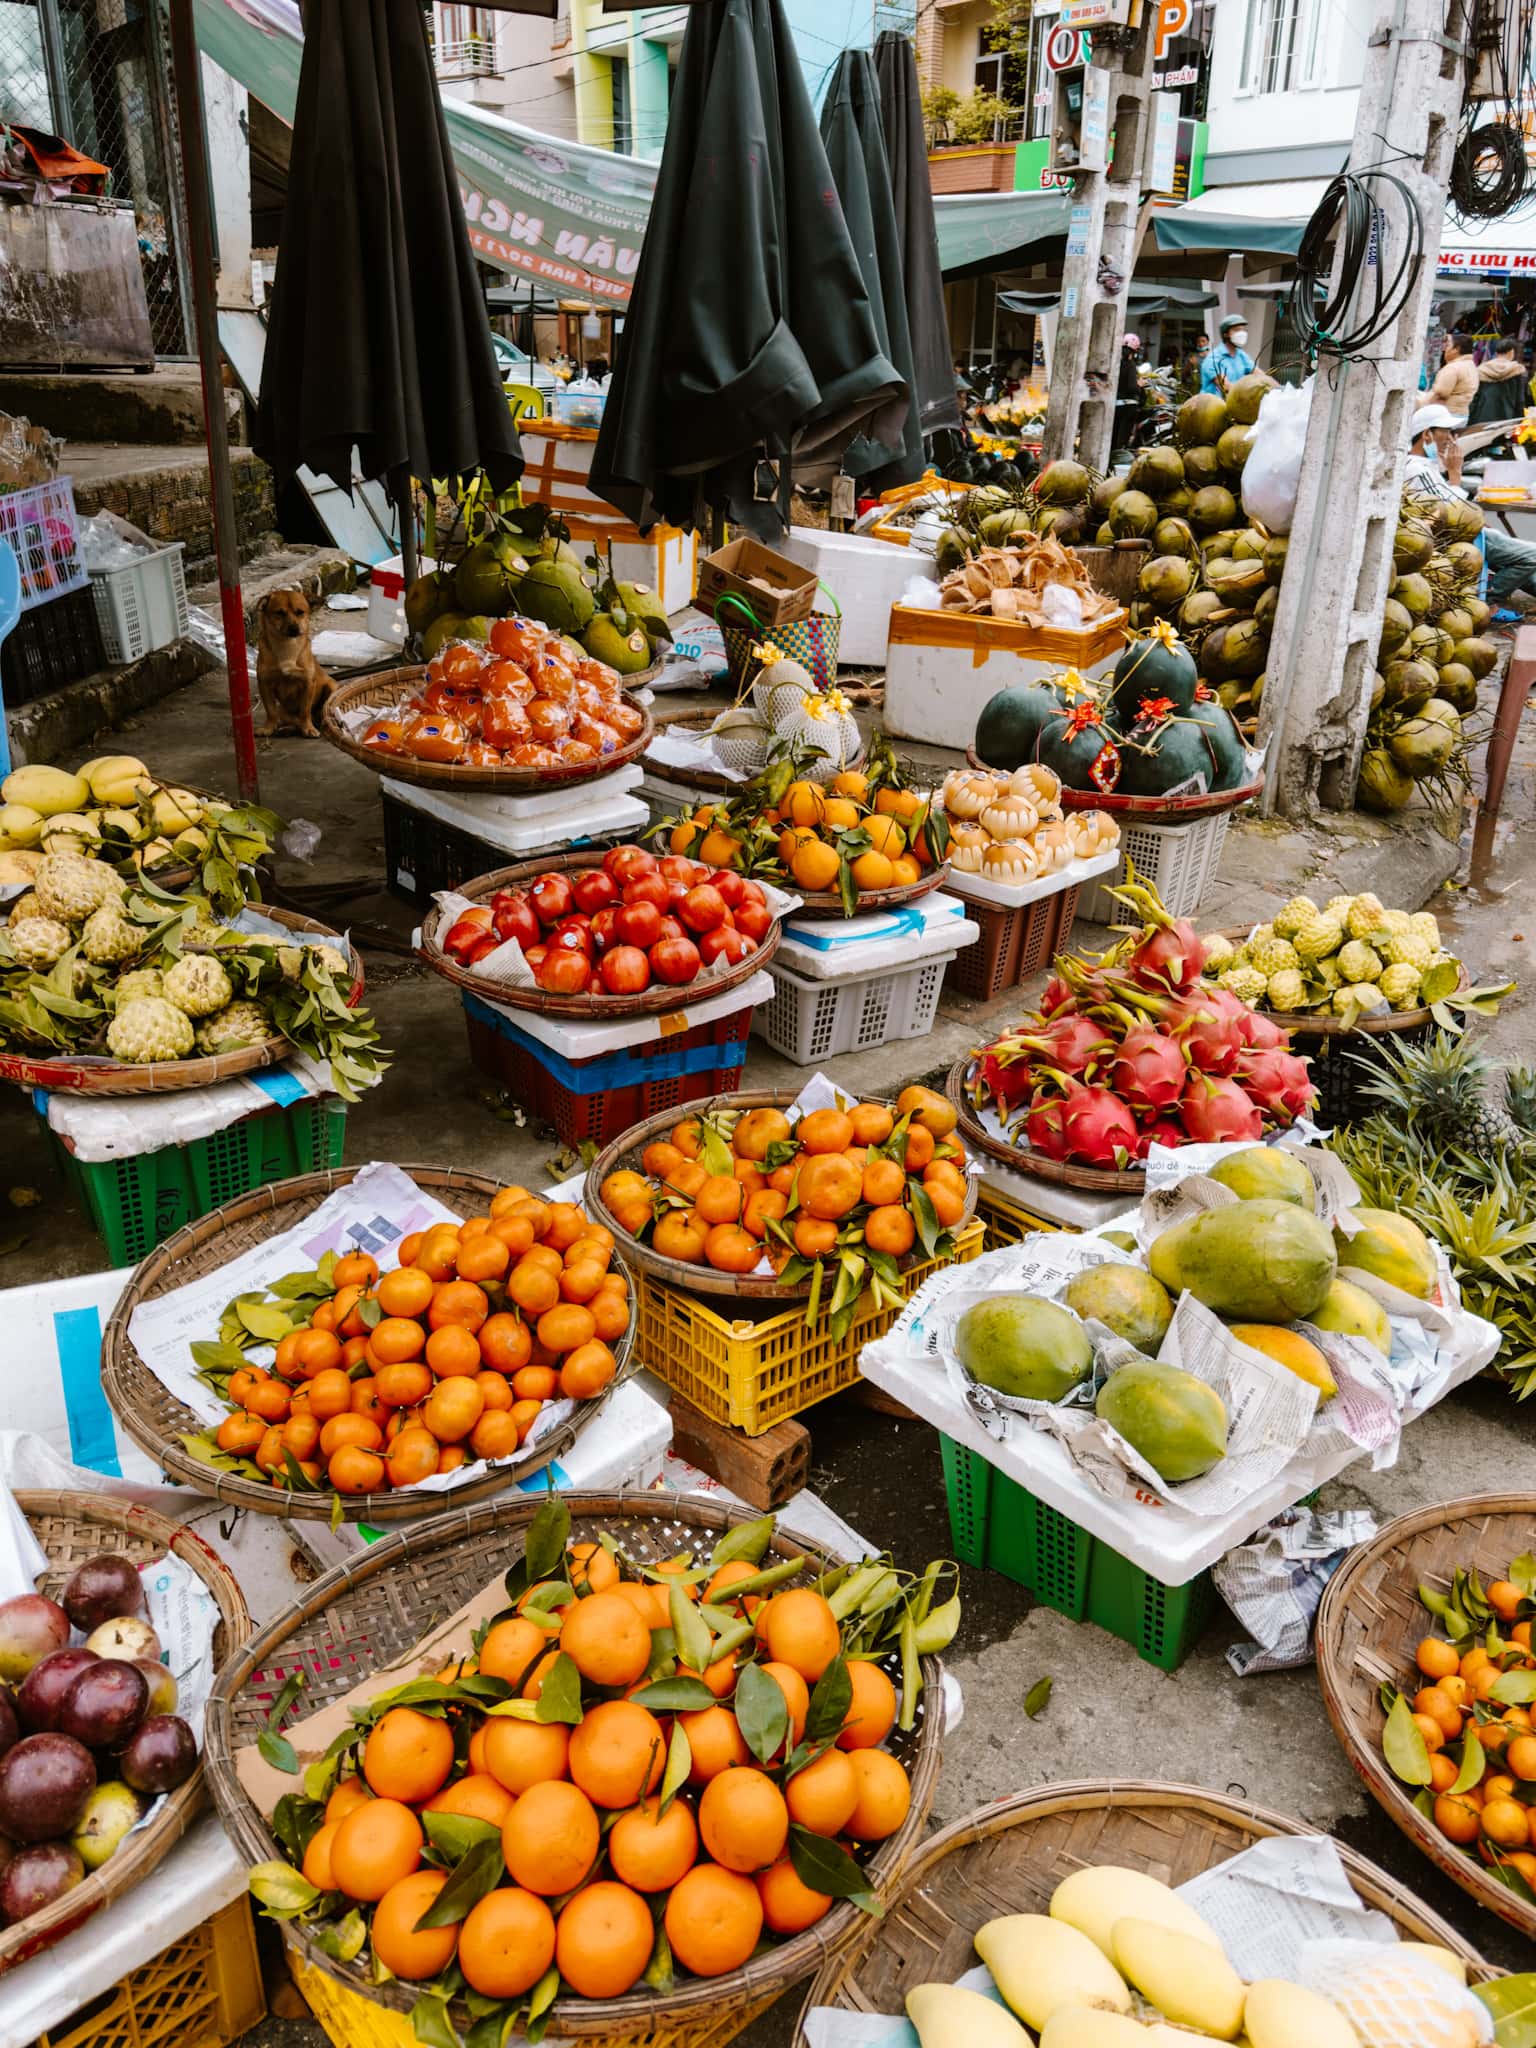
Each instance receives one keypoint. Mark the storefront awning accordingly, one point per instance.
(981, 232)
(1492, 250)
(1258, 220)
(1145, 295)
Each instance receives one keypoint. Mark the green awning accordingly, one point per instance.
(1228, 233)
(981, 232)
(1143, 295)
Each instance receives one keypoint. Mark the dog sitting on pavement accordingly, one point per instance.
(292, 683)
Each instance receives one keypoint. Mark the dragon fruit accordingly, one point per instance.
(1007, 1080)
(1163, 1132)
(1097, 1125)
(1056, 996)
(1149, 1071)
(1264, 1034)
(1069, 1042)
(1167, 953)
(1212, 1026)
(1278, 1083)
(1043, 1127)
(1218, 1112)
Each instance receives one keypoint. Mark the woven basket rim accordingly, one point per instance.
(656, 1001)
(143, 1849)
(772, 1972)
(1340, 1690)
(399, 1505)
(830, 1987)
(1104, 1180)
(1150, 810)
(1309, 1024)
(705, 1279)
(384, 687)
(826, 903)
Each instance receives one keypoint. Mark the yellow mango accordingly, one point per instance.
(45, 789)
(947, 2017)
(1281, 2015)
(1093, 1900)
(1040, 1965)
(1180, 1976)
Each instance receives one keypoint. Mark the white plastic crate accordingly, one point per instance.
(809, 1021)
(42, 528)
(1180, 862)
(143, 605)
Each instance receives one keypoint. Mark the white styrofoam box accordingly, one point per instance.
(809, 1021)
(386, 597)
(559, 462)
(576, 1041)
(470, 810)
(811, 961)
(866, 577)
(1016, 896)
(542, 833)
(1179, 862)
(942, 668)
(1067, 1208)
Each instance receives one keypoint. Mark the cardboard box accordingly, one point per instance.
(778, 590)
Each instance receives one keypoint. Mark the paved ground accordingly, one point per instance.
(1265, 1739)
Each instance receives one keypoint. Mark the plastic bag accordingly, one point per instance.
(1273, 469)
(107, 542)
(1062, 607)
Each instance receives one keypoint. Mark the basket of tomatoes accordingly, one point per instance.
(367, 1388)
(602, 934)
(524, 709)
(628, 1767)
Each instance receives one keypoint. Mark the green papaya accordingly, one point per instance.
(1125, 1299)
(1349, 1311)
(1266, 1170)
(1392, 1249)
(1176, 1422)
(1024, 1347)
(1262, 1261)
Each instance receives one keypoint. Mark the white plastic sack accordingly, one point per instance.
(1061, 607)
(1273, 469)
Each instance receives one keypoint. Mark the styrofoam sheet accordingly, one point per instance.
(1014, 896)
(576, 1041)
(472, 808)
(878, 955)
(543, 834)
(1068, 1208)
(102, 1127)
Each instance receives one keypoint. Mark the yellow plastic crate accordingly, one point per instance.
(352, 2021)
(1007, 1221)
(754, 1374)
(204, 1991)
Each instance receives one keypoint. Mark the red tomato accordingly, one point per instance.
(647, 889)
(603, 933)
(753, 920)
(725, 943)
(624, 863)
(625, 971)
(562, 972)
(594, 890)
(551, 897)
(637, 924)
(572, 934)
(670, 929)
(675, 960)
(703, 908)
(731, 886)
(514, 918)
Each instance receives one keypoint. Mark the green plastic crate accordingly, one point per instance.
(996, 1522)
(136, 1203)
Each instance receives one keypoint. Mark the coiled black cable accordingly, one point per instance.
(1489, 171)
(1351, 208)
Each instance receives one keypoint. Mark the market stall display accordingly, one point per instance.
(449, 1374)
(85, 1822)
(1423, 1657)
(412, 1605)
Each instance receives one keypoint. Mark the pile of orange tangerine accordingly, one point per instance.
(1494, 1817)
(446, 1358)
(805, 825)
(591, 1860)
(795, 1188)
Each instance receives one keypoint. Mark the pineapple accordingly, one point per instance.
(1400, 986)
(1520, 1098)
(1246, 983)
(1406, 950)
(1435, 1093)
(1219, 952)
(1291, 916)
(1274, 956)
(1365, 916)
(1319, 937)
(1287, 990)
(1357, 962)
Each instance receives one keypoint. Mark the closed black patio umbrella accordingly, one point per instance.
(906, 149)
(378, 338)
(750, 347)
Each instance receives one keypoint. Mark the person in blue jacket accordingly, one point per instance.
(1223, 366)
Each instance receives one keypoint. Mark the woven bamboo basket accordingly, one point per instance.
(1315, 1024)
(1149, 810)
(71, 1527)
(387, 689)
(654, 1001)
(369, 1614)
(1064, 1173)
(828, 903)
(694, 725)
(163, 1077)
(1369, 1625)
(157, 1421)
(1010, 1857)
(626, 1150)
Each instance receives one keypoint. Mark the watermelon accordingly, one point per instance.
(1158, 666)
(1011, 723)
(1200, 748)
(1079, 747)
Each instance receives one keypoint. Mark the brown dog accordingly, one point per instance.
(292, 683)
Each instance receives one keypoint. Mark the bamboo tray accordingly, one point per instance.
(1147, 810)
(626, 1150)
(1064, 1173)
(157, 1420)
(1009, 1858)
(1368, 1627)
(385, 688)
(370, 1613)
(827, 902)
(160, 1077)
(654, 1001)
(71, 1527)
(694, 724)
(1314, 1024)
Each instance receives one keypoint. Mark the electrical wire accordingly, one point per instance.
(1368, 293)
(1491, 177)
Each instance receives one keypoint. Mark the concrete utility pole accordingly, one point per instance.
(1323, 649)
(1105, 223)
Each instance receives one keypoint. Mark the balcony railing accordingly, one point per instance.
(473, 57)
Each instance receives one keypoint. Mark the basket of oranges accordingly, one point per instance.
(621, 1766)
(776, 1197)
(463, 1359)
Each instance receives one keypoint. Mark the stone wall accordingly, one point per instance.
(172, 503)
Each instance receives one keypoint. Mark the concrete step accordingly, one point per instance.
(163, 490)
(153, 406)
(315, 571)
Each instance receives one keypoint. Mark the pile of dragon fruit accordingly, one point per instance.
(1133, 1049)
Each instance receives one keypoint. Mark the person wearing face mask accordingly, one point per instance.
(1224, 365)
(1511, 562)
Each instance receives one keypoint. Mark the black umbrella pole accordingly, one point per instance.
(187, 75)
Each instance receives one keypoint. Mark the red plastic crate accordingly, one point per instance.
(1014, 944)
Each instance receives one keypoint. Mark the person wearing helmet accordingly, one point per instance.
(1224, 365)
(1128, 388)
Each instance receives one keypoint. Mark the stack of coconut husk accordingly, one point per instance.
(1010, 583)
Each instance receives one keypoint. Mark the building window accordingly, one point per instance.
(1281, 45)
(618, 85)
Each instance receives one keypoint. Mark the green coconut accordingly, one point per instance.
(1157, 471)
(1457, 686)
(1414, 593)
(1409, 683)
(1276, 548)
(950, 550)
(1063, 483)
(1105, 537)
(1233, 449)
(1066, 523)
(1466, 560)
(1214, 507)
(1478, 612)
(1423, 745)
(1177, 502)
(1268, 604)
(1104, 493)
(998, 528)
(1396, 626)
(1133, 515)
(1236, 651)
(1480, 656)
(1238, 582)
(1246, 396)
(1176, 537)
(1383, 787)
(1378, 689)
(1195, 612)
(1167, 580)
(1202, 466)
(1457, 622)
(1199, 421)
(1216, 547)
(1248, 545)
(1412, 546)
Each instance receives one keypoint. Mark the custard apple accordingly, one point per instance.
(1273, 956)
(1219, 952)
(1424, 925)
(1357, 962)
(1287, 990)
(149, 1028)
(107, 936)
(1246, 983)
(1326, 972)
(238, 1023)
(1359, 998)
(38, 941)
(1259, 934)
(1406, 950)
(334, 961)
(1400, 986)
(198, 985)
(1319, 937)
(1339, 907)
(1393, 921)
(25, 906)
(1365, 915)
(1291, 916)
(70, 887)
(139, 981)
